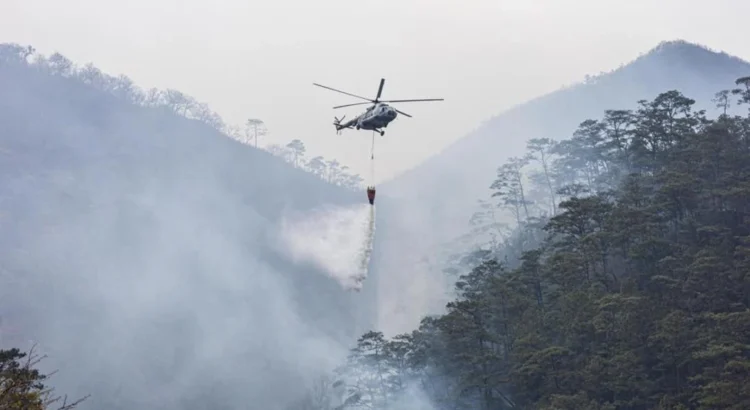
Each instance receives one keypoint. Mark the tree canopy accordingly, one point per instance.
(622, 282)
(22, 385)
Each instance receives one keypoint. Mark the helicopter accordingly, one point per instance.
(377, 116)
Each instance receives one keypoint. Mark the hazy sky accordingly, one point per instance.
(259, 58)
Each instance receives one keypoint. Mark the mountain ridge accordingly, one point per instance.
(434, 201)
(141, 244)
(670, 50)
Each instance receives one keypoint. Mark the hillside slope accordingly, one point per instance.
(138, 247)
(435, 200)
(634, 295)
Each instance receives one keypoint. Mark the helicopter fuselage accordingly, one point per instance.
(378, 116)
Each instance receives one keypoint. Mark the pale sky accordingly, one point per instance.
(259, 58)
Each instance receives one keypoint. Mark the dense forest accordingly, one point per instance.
(429, 224)
(620, 282)
(623, 283)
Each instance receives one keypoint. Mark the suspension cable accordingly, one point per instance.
(372, 160)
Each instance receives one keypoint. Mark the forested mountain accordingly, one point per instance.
(434, 202)
(622, 282)
(138, 246)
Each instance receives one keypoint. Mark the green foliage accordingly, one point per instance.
(626, 278)
(22, 385)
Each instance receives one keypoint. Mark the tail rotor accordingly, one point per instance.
(337, 123)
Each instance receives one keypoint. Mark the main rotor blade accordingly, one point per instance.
(343, 92)
(403, 113)
(349, 105)
(422, 99)
(380, 89)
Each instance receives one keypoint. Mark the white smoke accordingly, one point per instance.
(336, 239)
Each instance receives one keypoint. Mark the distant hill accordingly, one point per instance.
(137, 246)
(433, 202)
